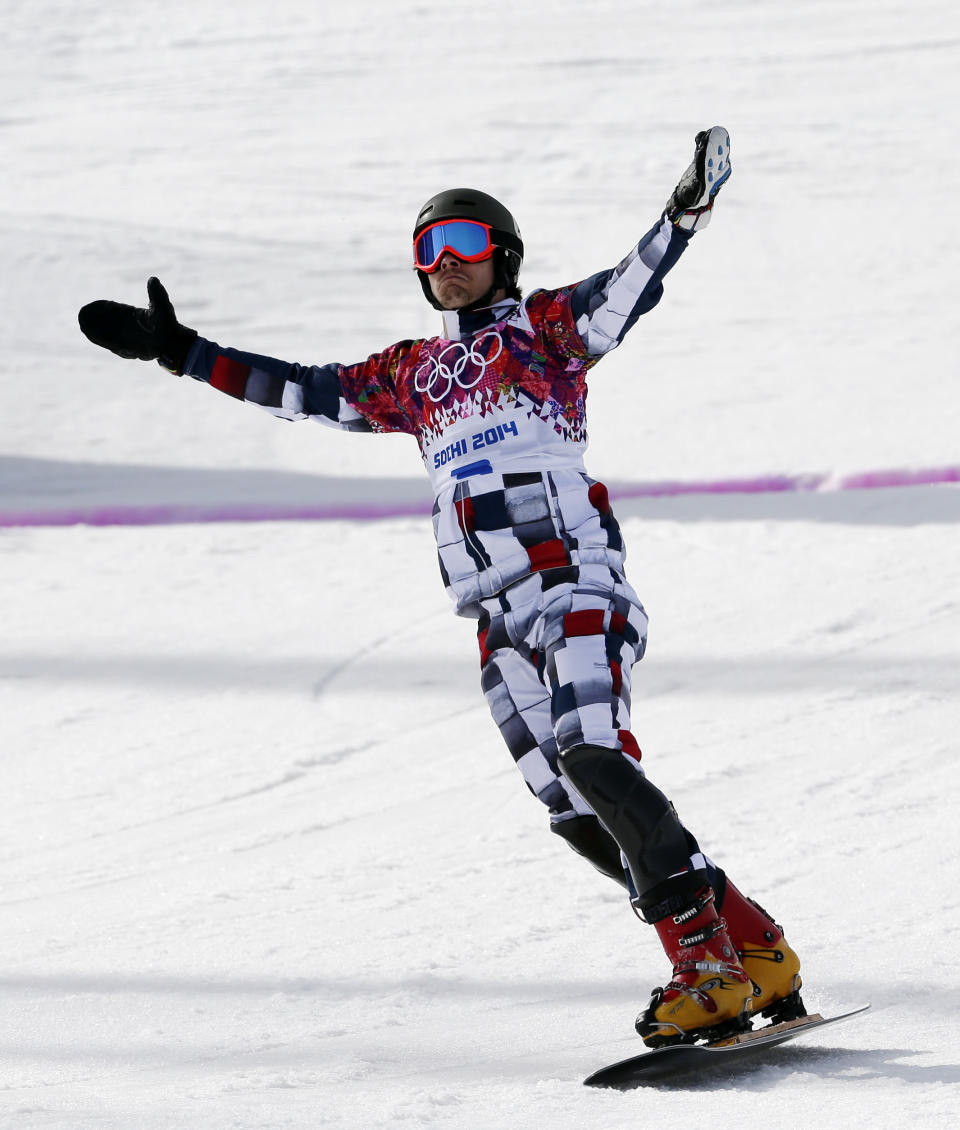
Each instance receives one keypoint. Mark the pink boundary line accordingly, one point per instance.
(177, 513)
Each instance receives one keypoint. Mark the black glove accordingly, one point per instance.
(691, 204)
(153, 334)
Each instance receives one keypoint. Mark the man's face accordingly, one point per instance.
(456, 284)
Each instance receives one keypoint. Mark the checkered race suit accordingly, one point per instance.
(528, 544)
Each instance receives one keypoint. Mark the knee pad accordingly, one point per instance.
(588, 837)
(641, 820)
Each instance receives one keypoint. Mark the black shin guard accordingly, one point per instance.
(588, 837)
(644, 824)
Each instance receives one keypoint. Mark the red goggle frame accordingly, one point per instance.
(468, 240)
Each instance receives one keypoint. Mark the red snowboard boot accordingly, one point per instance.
(710, 994)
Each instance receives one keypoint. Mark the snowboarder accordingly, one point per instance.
(529, 547)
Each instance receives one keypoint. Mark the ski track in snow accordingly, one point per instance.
(264, 861)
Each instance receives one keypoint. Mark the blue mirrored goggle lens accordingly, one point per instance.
(462, 237)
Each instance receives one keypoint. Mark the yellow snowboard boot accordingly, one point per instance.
(769, 962)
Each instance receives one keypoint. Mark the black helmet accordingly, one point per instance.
(472, 204)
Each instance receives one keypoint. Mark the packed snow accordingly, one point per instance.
(264, 860)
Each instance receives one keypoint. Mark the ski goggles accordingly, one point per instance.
(469, 240)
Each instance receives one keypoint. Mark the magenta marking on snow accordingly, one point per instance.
(772, 484)
(226, 512)
(873, 480)
(766, 484)
(177, 513)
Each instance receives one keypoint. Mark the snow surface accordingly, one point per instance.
(264, 861)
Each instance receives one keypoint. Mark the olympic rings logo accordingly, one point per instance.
(438, 374)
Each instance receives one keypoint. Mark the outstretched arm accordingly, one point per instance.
(606, 305)
(289, 391)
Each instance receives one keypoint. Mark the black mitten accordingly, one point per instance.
(153, 334)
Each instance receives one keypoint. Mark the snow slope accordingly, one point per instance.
(263, 859)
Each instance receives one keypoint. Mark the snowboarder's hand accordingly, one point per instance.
(151, 334)
(691, 204)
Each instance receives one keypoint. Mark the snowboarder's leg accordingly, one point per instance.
(512, 670)
(667, 867)
(520, 705)
(586, 645)
(521, 709)
(709, 989)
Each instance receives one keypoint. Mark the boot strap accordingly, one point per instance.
(703, 899)
(710, 930)
(722, 968)
(706, 1002)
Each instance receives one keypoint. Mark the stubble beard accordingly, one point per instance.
(453, 295)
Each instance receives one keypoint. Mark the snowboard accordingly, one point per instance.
(666, 1063)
